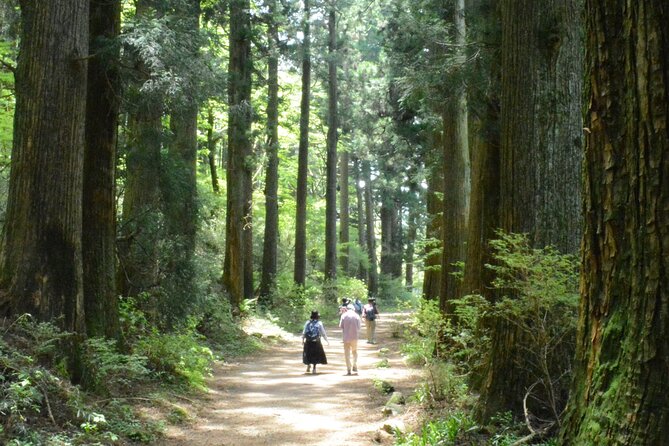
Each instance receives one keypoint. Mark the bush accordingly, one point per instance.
(109, 372)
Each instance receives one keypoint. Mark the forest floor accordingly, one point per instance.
(268, 399)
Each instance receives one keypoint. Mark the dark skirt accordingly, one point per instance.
(313, 353)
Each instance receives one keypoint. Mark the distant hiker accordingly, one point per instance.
(350, 327)
(357, 305)
(344, 303)
(312, 352)
(370, 313)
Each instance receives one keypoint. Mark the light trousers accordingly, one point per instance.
(351, 354)
(371, 330)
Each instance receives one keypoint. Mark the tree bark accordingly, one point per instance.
(619, 392)
(299, 273)
(42, 271)
(344, 216)
(271, 239)
(361, 268)
(331, 161)
(239, 152)
(99, 189)
(540, 157)
(433, 231)
(457, 183)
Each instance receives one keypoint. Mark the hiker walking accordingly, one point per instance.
(312, 351)
(350, 327)
(370, 314)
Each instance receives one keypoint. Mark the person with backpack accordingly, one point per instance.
(312, 348)
(370, 313)
(357, 305)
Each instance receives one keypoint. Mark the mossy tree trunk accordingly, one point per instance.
(619, 391)
(435, 209)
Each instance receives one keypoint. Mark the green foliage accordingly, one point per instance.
(177, 355)
(108, 371)
(423, 334)
(383, 386)
(456, 429)
(393, 292)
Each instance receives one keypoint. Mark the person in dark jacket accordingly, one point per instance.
(312, 351)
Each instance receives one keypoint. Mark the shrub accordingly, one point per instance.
(108, 371)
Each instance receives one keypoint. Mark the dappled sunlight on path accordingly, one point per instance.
(268, 399)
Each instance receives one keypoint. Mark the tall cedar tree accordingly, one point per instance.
(331, 159)
(99, 198)
(540, 157)
(373, 279)
(42, 272)
(435, 208)
(237, 258)
(271, 240)
(361, 272)
(456, 173)
(619, 391)
(299, 274)
(180, 179)
(141, 213)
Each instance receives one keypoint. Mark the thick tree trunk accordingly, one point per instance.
(331, 161)
(239, 149)
(433, 231)
(391, 234)
(299, 273)
(619, 391)
(99, 197)
(271, 239)
(540, 155)
(42, 272)
(373, 282)
(457, 183)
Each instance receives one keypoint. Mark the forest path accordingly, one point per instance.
(268, 399)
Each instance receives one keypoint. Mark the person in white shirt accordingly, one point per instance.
(350, 327)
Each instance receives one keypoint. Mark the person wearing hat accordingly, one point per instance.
(370, 314)
(350, 327)
(312, 348)
(344, 303)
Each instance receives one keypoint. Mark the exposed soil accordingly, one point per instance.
(268, 399)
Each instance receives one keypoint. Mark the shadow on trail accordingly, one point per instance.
(268, 399)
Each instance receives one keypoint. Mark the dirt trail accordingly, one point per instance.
(268, 399)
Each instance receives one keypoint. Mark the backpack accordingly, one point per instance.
(311, 332)
(370, 313)
(358, 307)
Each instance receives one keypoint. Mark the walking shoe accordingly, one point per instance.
(348, 373)
(355, 369)
(313, 372)
(309, 368)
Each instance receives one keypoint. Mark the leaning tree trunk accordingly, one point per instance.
(239, 149)
(299, 272)
(619, 391)
(271, 239)
(211, 156)
(99, 190)
(540, 155)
